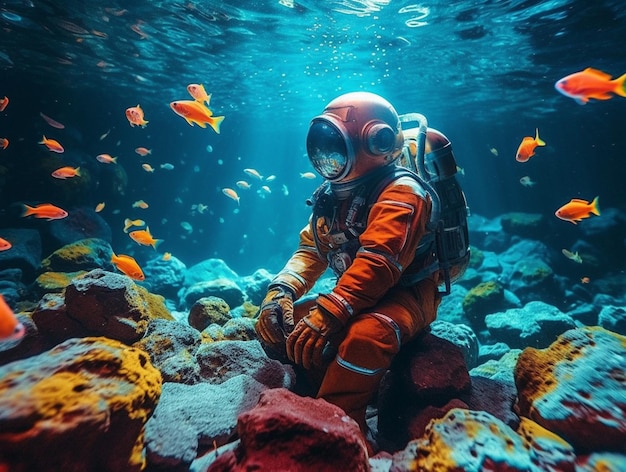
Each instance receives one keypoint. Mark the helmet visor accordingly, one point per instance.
(327, 150)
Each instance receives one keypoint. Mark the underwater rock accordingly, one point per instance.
(526, 225)
(536, 324)
(475, 441)
(208, 310)
(222, 360)
(255, 285)
(54, 282)
(164, 277)
(52, 321)
(80, 406)
(287, 432)
(192, 418)
(209, 269)
(586, 313)
(601, 461)
(25, 253)
(613, 318)
(501, 369)
(461, 336)
(81, 223)
(574, 387)
(172, 347)
(428, 371)
(225, 289)
(481, 300)
(494, 396)
(235, 329)
(85, 254)
(451, 306)
(487, 352)
(112, 305)
(11, 286)
(532, 279)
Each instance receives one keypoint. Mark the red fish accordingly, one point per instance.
(526, 149)
(52, 145)
(577, 210)
(591, 83)
(46, 211)
(4, 143)
(196, 112)
(3, 103)
(10, 328)
(142, 151)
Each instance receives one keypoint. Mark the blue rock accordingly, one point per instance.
(223, 288)
(255, 285)
(537, 324)
(613, 318)
(25, 253)
(209, 269)
(460, 335)
(164, 277)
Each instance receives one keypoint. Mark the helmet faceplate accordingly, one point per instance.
(356, 133)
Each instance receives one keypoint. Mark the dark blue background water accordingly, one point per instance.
(483, 72)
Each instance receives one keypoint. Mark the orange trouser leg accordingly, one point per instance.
(372, 340)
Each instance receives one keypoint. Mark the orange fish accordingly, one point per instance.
(196, 112)
(99, 207)
(66, 172)
(128, 266)
(147, 167)
(143, 237)
(52, 145)
(526, 149)
(577, 210)
(230, 193)
(4, 143)
(106, 159)
(46, 211)
(591, 83)
(135, 116)
(198, 93)
(3, 103)
(140, 204)
(167, 256)
(142, 151)
(10, 328)
(5, 245)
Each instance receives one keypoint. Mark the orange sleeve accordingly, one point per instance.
(304, 267)
(395, 225)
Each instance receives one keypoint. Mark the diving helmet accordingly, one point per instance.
(356, 133)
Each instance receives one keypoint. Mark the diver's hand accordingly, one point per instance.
(306, 343)
(275, 319)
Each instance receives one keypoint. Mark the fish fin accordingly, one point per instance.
(78, 171)
(156, 243)
(28, 210)
(595, 208)
(538, 140)
(208, 100)
(598, 73)
(43, 140)
(620, 86)
(216, 122)
(201, 124)
(190, 121)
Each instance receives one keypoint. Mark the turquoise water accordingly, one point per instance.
(482, 72)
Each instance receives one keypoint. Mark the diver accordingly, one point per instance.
(371, 224)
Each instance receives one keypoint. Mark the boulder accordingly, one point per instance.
(80, 406)
(285, 432)
(25, 253)
(574, 387)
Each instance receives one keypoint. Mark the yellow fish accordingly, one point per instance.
(128, 223)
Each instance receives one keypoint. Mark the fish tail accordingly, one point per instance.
(595, 206)
(78, 171)
(620, 85)
(156, 243)
(215, 123)
(28, 210)
(538, 140)
(43, 140)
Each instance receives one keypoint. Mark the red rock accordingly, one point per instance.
(286, 433)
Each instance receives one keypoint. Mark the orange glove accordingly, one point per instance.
(275, 319)
(305, 345)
